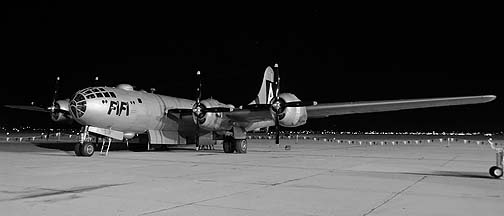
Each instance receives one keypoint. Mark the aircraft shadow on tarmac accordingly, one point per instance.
(460, 174)
(69, 146)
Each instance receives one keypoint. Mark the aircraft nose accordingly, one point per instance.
(78, 105)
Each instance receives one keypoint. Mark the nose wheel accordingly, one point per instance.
(84, 147)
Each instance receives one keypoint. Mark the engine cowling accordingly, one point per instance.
(62, 117)
(212, 120)
(292, 116)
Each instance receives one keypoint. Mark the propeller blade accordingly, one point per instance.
(197, 135)
(277, 130)
(55, 94)
(198, 97)
(200, 109)
(277, 81)
(181, 111)
(257, 106)
(300, 103)
(218, 109)
(30, 108)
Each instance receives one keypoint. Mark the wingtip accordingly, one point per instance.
(490, 97)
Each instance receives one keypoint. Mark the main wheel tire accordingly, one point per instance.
(496, 172)
(77, 149)
(87, 149)
(241, 146)
(228, 146)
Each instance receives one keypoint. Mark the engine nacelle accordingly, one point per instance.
(62, 117)
(213, 120)
(292, 116)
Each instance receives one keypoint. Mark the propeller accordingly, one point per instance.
(52, 109)
(198, 109)
(279, 105)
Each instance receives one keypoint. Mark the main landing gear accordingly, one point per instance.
(496, 171)
(231, 145)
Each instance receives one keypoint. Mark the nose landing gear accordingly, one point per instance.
(84, 147)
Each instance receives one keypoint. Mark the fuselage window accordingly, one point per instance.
(139, 100)
(99, 95)
(106, 94)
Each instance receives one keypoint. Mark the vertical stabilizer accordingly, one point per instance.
(269, 88)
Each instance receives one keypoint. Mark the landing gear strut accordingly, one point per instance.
(496, 171)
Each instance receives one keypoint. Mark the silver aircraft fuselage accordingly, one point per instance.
(125, 110)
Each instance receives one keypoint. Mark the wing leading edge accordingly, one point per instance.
(329, 109)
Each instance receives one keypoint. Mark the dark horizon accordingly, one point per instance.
(326, 55)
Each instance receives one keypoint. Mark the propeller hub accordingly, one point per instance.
(199, 110)
(278, 106)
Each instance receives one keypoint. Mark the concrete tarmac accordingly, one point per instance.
(313, 178)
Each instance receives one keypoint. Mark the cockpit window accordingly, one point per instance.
(106, 94)
(95, 90)
(99, 95)
(112, 94)
(90, 96)
(102, 89)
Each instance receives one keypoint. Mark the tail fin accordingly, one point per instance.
(269, 87)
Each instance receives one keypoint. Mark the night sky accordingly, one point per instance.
(336, 53)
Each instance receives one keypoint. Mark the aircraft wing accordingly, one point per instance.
(249, 115)
(261, 112)
(329, 109)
